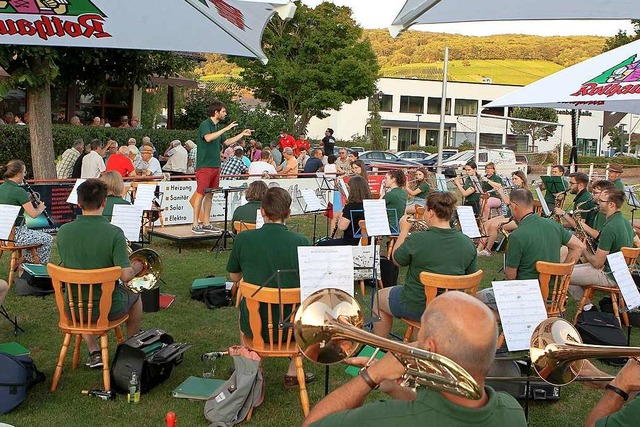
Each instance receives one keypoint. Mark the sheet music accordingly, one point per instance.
(363, 262)
(441, 182)
(543, 202)
(467, 222)
(375, 215)
(73, 196)
(312, 201)
(259, 219)
(632, 199)
(8, 215)
(343, 187)
(323, 267)
(625, 282)
(521, 309)
(145, 196)
(129, 219)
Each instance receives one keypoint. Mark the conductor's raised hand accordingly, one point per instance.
(231, 126)
(247, 132)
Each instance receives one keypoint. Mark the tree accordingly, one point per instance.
(622, 37)
(375, 124)
(618, 138)
(36, 69)
(536, 131)
(317, 61)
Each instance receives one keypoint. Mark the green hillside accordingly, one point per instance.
(508, 71)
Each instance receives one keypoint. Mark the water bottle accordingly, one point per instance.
(101, 394)
(133, 397)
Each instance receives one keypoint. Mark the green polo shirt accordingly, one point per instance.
(424, 191)
(12, 194)
(90, 242)
(486, 187)
(436, 250)
(535, 239)
(599, 221)
(618, 184)
(247, 212)
(627, 416)
(108, 207)
(430, 408)
(616, 233)
(278, 249)
(396, 199)
(585, 196)
(208, 155)
(473, 197)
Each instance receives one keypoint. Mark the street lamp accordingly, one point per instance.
(600, 138)
(418, 130)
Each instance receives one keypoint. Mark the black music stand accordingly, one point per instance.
(304, 206)
(632, 200)
(225, 232)
(16, 328)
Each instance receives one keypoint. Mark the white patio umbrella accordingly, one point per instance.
(449, 11)
(607, 82)
(231, 27)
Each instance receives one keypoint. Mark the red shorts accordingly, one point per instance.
(207, 178)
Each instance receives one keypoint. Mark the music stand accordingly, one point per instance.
(632, 200)
(554, 184)
(225, 232)
(321, 208)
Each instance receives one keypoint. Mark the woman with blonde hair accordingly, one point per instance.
(115, 192)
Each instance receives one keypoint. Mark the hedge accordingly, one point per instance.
(15, 142)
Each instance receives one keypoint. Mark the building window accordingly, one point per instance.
(386, 133)
(466, 107)
(407, 137)
(411, 104)
(494, 111)
(433, 106)
(386, 104)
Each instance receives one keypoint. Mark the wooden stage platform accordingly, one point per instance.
(181, 234)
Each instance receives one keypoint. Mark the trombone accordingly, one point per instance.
(327, 328)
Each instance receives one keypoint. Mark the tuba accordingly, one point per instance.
(149, 276)
(327, 329)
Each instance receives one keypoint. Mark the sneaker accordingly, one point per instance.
(95, 360)
(484, 252)
(197, 229)
(210, 228)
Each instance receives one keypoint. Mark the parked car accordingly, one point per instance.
(413, 155)
(504, 159)
(522, 160)
(376, 157)
(357, 149)
(432, 160)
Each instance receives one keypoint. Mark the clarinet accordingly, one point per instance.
(36, 202)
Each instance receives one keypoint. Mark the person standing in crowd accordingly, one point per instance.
(64, 168)
(286, 140)
(211, 138)
(192, 158)
(302, 144)
(121, 163)
(77, 166)
(15, 173)
(177, 158)
(328, 142)
(93, 164)
(249, 211)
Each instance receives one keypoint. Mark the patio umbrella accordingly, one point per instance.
(231, 27)
(449, 11)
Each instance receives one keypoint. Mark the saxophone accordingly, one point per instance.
(580, 232)
(501, 229)
(559, 203)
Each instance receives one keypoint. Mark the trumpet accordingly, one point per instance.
(327, 328)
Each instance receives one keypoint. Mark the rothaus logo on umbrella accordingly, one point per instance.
(83, 19)
(621, 79)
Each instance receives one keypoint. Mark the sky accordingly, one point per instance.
(380, 13)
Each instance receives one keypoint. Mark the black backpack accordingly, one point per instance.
(596, 327)
(17, 374)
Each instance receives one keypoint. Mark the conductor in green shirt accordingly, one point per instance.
(445, 331)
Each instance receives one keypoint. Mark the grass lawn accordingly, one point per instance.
(208, 330)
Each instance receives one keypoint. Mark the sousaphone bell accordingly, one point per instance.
(148, 278)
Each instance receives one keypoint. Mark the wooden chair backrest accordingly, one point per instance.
(240, 226)
(10, 243)
(434, 282)
(83, 282)
(554, 281)
(271, 297)
(630, 256)
(537, 208)
(364, 240)
(419, 212)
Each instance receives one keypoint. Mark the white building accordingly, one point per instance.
(410, 112)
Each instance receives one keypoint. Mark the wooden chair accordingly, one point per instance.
(78, 322)
(434, 283)
(537, 208)
(554, 281)
(16, 253)
(281, 342)
(364, 241)
(630, 257)
(240, 226)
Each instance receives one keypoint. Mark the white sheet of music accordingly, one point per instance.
(8, 215)
(375, 215)
(323, 267)
(624, 280)
(543, 202)
(259, 219)
(343, 187)
(467, 222)
(73, 196)
(441, 182)
(521, 309)
(632, 199)
(312, 201)
(129, 219)
(363, 259)
(145, 196)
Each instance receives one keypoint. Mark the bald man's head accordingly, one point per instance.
(462, 329)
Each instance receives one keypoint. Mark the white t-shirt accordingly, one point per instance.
(177, 160)
(330, 169)
(92, 165)
(259, 167)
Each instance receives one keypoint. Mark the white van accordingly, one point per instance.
(504, 159)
